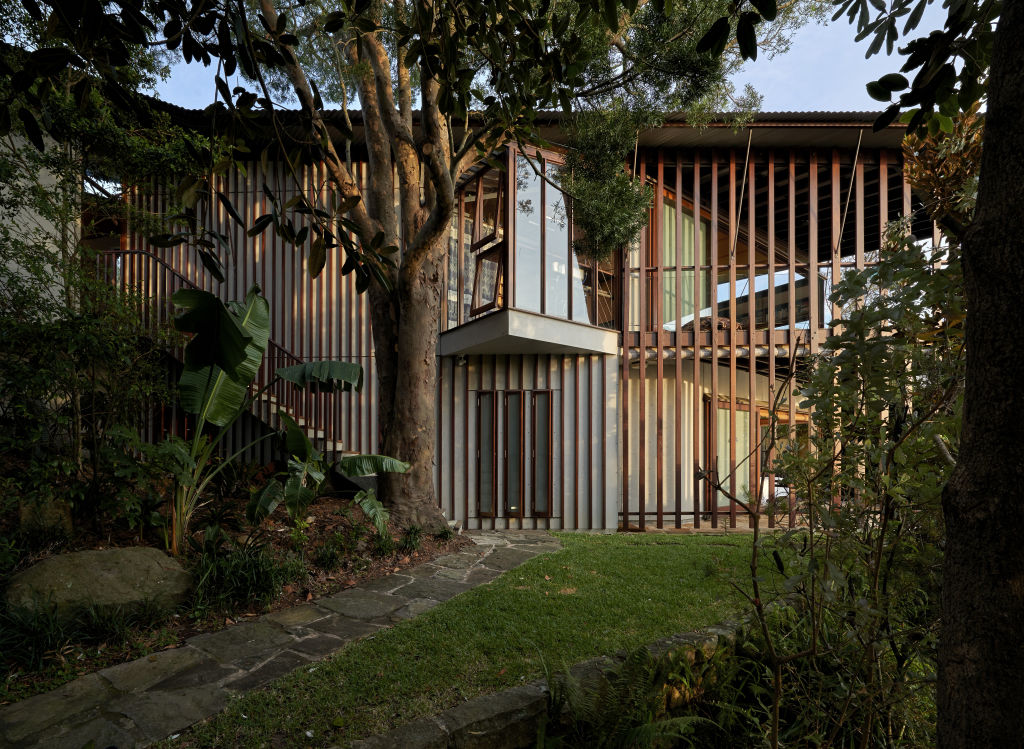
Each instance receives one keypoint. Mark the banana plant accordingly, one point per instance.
(299, 485)
(222, 359)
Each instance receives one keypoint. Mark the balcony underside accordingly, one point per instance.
(510, 331)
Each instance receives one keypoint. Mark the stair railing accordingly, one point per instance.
(153, 281)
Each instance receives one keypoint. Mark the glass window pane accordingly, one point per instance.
(452, 297)
(607, 303)
(490, 189)
(468, 263)
(556, 249)
(542, 454)
(528, 247)
(488, 290)
(741, 480)
(513, 454)
(582, 289)
(487, 437)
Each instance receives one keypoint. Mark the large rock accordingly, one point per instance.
(125, 579)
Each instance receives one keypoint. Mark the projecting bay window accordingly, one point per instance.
(513, 248)
(514, 453)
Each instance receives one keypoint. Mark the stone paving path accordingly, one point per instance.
(143, 701)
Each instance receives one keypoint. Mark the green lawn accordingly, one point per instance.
(598, 595)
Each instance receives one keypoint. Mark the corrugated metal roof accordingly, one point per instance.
(789, 129)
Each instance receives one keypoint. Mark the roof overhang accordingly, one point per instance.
(511, 331)
(766, 130)
(812, 129)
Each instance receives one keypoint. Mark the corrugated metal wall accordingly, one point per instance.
(321, 318)
(585, 476)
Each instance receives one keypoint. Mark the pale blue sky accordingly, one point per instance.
(824, 70)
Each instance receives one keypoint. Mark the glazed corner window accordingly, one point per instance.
(548, 276)
(488, 248)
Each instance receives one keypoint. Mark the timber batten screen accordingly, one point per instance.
(717, 310)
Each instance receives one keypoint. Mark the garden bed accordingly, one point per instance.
(339, 549)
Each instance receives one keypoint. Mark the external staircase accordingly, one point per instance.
(153, 281)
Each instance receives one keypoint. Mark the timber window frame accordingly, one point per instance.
(523, 453)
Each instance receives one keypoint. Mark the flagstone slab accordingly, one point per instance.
(241, 640)
(297, 615)
(29, 716)
(208, 671)
(345, 628)
(158, 714)
(437, 589)
(414, 608)
(281, 664)
(318, 645)
(506, 558)
(357, 603)
(150, 670)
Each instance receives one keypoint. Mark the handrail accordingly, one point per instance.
(190, 284)
(157, 279)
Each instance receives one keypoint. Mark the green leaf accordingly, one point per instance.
(716, 38)
(893, 82)
(297, 496)
(218, 340)
(368, 465)
(323, 376)
(746, 36)
(767, 8)
(217, 395)
(375, 512)
(317, 256)
(262, 504)
(212, 264)
(230, 208)
(611, 14)
(260, 224)
(32, 131)
(294, 438)
(878, 92)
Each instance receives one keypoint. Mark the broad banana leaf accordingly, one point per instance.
(209, 391)
(297, 496)
(296, 442)
(375, 512)
(324, 376)
(367, 465)
(218, 339)
(264, 503)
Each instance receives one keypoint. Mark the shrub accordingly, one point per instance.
(682, 699)
(29, 637)
(383, 545)
(411, 540)
(230, 575)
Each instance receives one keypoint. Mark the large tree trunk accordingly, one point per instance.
(406, 360)
(981, 659)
